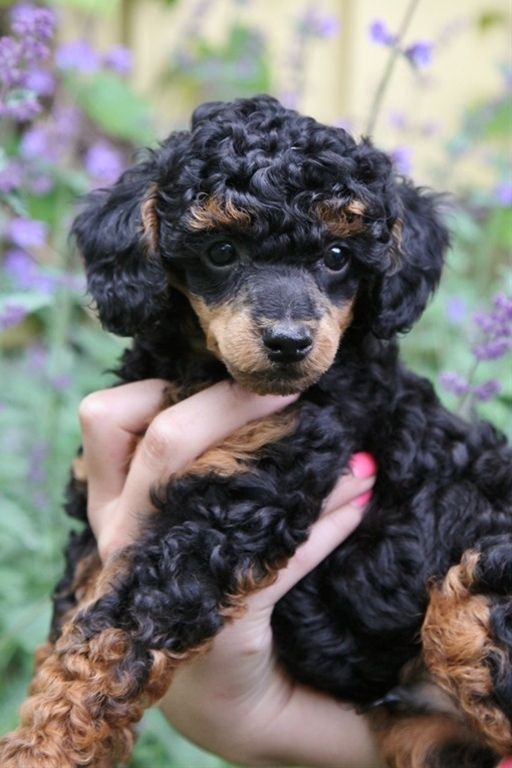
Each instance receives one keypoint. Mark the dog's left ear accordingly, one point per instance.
(419, 242)
(114, 233)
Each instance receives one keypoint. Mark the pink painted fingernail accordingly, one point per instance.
(363, 499)
(506, 763)
(362, 465)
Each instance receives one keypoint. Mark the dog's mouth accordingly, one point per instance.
(277, 379)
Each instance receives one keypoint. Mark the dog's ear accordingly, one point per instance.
(419, 240)
(116, 232)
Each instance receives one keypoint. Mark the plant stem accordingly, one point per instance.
(388, 71)
(466, 403)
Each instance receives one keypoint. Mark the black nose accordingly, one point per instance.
(287, 342)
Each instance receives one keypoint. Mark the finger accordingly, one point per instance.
(327, 533)
(359, 479)
(183, 432)
(111, 420)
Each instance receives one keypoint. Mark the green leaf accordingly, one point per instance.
(489, 19)
(31, 302)
(113, 105)
(99, 7)
(499, 227)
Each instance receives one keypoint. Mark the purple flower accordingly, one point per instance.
(493, 349)
(30, 21)
(320, 24)
(398, 119)
(402, 158)
(11, 177)
(20, 106)
(40, 185)
(67, 121)
(420, 54)
(487, 390)
(27, 233)
(380, 34)
(503, 193)
(10, 61)
(35, 28)
(456, 309)
(103, 162)
(496, 327)
(454, 383)
(79, 56)
(40, 81)
(25, 273)
(12, 314)
(119, 59)
(503, 306)
(35, 142)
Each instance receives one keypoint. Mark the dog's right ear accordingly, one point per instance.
(116, 232)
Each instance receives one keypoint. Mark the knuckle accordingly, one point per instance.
(93, 409)
(159, 439)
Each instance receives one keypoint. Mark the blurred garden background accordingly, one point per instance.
(83, 83)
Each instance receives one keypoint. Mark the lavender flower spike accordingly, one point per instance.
(27, 233)
(380, 34)
(487, 390)
(420, 54)
(454, 383)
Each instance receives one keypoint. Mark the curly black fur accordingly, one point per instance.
(443, 485)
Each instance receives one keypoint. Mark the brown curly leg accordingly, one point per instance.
(467, 637)
(429, 741)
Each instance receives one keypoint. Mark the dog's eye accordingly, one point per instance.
(222, 254)
(336, 257)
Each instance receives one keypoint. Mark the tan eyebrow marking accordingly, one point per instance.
(341, 219)
(149, 218)
(212, 213)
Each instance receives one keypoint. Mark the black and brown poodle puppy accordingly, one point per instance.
(267, 247)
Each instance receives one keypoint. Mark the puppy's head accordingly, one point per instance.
(278, 230)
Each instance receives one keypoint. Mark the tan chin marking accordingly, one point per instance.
(213, 213)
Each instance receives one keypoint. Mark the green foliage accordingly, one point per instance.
(58, 353)
(114, 107)
(238, 66)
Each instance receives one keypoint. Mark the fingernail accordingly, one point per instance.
(506, 763)
(362, 465)
(363, 499)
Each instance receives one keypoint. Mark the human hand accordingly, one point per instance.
(130, 445)
(235, 700)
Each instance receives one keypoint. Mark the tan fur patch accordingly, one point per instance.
(235, 606)
(457, 645)
(149, 219)
(408, 741)
(341, 220)
(213, 213)
(244, 446)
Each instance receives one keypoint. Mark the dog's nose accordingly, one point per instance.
(287, 342)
